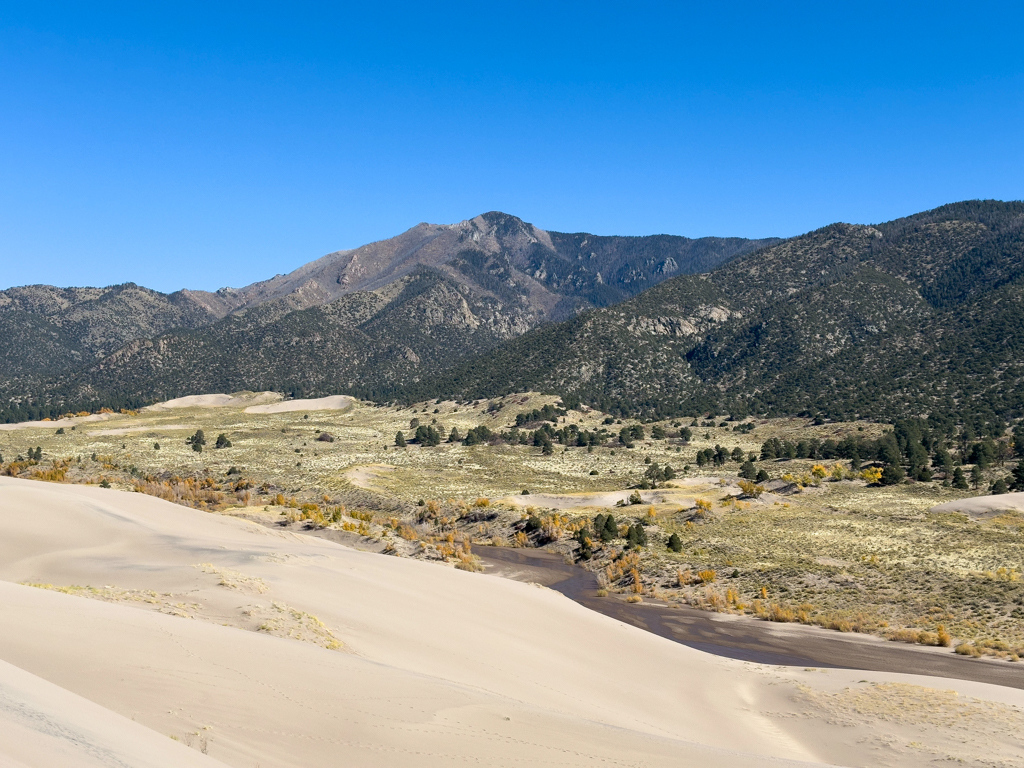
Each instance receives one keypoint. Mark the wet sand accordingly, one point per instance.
(745, 638)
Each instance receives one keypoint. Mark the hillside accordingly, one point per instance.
(426, 298)
(922, 315)
(918, 316)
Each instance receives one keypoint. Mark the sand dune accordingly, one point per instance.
(204, 623)
(331, 403)
(43, 724)
(984, 506)
(68, 422)
(217, 400)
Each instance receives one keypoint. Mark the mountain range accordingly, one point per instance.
(388, 312)
(920, 316)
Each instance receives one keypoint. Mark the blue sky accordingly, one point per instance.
(202, 145)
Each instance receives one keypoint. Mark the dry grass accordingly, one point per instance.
(838, 553)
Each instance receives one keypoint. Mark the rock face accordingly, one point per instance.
(425, 299)
(500, 255)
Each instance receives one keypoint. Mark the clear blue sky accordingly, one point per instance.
(210, 144)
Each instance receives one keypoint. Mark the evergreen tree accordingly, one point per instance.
(976, 476)
(636, 536)
(1017, 477)
(675, 543)
(998, 487)
(222, 441)
(854, 459)
(586, 550)
(454, 436)
(610, 530)
(959, 479)
(197, 441)
(893, 474)
(400, 440)
(748, 471)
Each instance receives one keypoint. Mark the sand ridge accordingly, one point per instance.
(434, 666)
(330, 403)
(984, 506)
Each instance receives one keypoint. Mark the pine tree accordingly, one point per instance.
(197, 441)
(675, 543)
(400, 440)
(610, 530)
(893, 474)
(1017, 477)
(959, 479)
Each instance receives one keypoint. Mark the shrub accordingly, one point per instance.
(871, 475)
(751, 489)
(781, 613)
(222, 441)
(325, 437)
(675, 543)
(706, 576)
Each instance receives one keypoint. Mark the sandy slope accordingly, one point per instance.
(438, 666)
(217, 400)
(984, 506)
(43, 724)
(331, 403)
(68, 422)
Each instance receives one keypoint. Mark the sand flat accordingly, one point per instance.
(436, 665)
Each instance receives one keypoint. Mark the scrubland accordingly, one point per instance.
(822, 548)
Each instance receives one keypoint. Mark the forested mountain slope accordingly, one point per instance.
(919, 315)
(380, 314)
